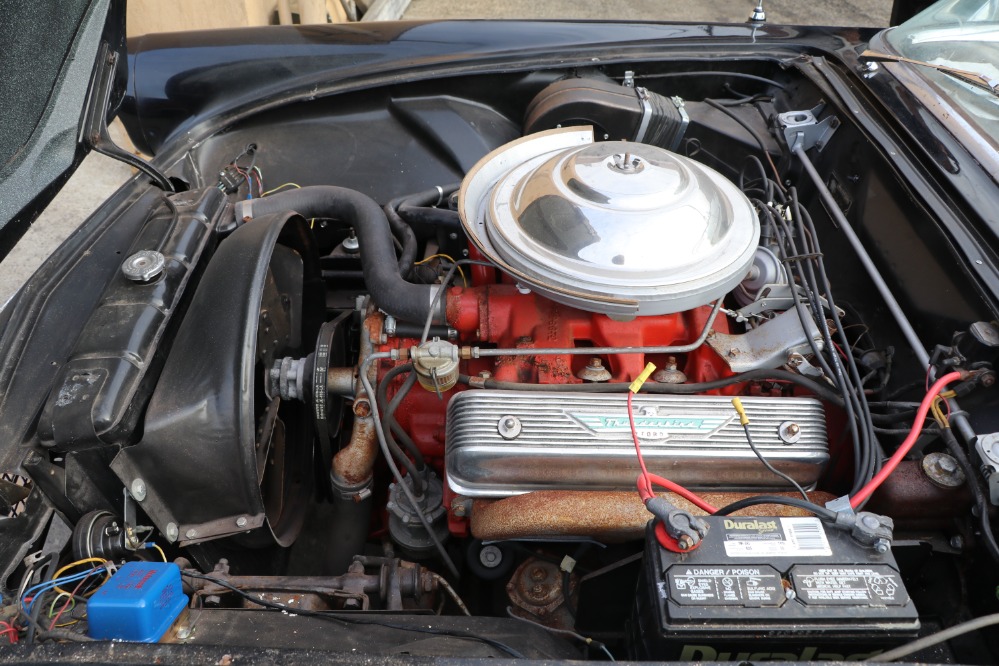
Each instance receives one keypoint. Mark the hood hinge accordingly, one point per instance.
(95, 126)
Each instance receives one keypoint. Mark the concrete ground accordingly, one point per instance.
(99, 176)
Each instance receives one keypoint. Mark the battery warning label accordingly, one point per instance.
(780, 537)
(725, 586)
(872, 585)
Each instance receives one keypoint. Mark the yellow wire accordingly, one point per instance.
(938, 413)
(281, 187)
(444, 256)
(160, 551)
(88, 560)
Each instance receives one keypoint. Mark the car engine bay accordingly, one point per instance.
(654, 361)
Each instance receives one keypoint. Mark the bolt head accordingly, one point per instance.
(871, 522)
(957, 542)
(789, 432)
(490, 557)
(241, 521)
(138, 489)
(190, 534)
(509, 427)
(172, 532)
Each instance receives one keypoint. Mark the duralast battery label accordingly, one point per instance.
(871, 585)
(775, 537)
(753, 586)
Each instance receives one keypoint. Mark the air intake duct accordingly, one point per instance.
(616, 112)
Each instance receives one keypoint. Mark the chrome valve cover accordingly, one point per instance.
(502, 443)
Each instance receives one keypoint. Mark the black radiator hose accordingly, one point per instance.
(403, 300)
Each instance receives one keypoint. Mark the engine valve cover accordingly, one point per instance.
(502, 443)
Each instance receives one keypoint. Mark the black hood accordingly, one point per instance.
(47, 66)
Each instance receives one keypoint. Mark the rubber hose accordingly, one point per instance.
(448, 220)
(393, 294)
(404, 233)
(346, 533)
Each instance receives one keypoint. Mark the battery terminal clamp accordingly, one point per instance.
(686, 529)
(869, 529)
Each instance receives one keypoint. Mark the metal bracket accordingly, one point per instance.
(777, 298)
(95, 126)
(133, 531)
(803, 127)
(769, 345)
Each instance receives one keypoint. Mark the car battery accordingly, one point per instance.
(769, 589)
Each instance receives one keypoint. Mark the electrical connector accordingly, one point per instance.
(636, 385)
(230, 180)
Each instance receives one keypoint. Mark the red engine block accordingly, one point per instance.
(499, 315)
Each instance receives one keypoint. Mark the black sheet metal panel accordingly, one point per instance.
(180, 80)
(40, 325)
(328, 141)
(108, 379)
(197, 457)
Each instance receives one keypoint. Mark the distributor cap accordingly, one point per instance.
(615, 227)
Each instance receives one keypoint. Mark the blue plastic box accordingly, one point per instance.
(138, 604)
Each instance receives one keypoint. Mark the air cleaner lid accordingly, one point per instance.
(615, 227)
